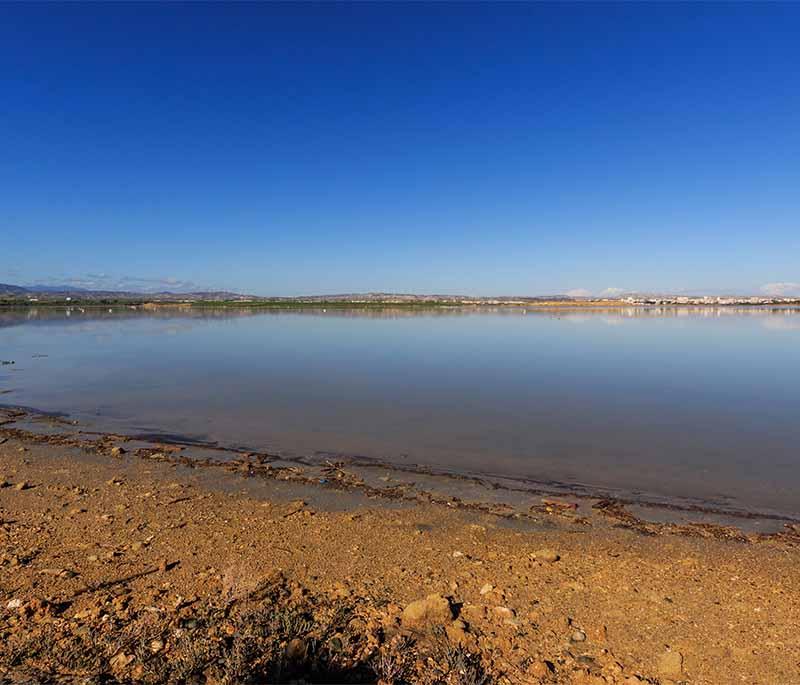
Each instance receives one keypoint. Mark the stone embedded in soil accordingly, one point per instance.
(120, 662)
(23, 485)
(486, 589)
(540, 668)
(58, 572)
(294, 507)
(504, 612)
(578, 636)
(296, 649)
(433, 610)
(547, 555)
(457, 632)
(670, 664)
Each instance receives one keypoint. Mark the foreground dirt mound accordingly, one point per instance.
(276, 632)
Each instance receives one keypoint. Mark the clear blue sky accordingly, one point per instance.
(480, 148)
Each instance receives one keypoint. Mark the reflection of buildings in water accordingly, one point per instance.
(698, 311)
(787, 322)
(788, 315)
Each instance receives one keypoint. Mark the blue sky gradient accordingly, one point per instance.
(477, 148)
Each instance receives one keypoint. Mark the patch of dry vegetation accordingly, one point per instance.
(274, 633)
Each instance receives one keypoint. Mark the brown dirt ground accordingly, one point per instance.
(92, 545)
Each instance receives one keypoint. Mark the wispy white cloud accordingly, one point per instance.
(584, 292)
(103, 281)
(155, 284)
(781, 289)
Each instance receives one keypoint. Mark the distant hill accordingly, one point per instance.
(6, 289)
(55, 289)
(62, 292)
(45, 293)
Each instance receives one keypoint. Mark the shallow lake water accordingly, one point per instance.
(695, 404)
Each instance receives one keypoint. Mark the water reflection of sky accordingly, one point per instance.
(682, 401)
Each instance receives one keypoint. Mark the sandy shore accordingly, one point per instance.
(131, 566)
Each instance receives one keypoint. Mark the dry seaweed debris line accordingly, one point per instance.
(333, 474)
(615, 510)
(276, 632)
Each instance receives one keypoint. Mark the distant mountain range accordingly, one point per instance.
(6, 289)
(61, 292)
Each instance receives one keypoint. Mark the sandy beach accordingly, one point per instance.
(124, 563)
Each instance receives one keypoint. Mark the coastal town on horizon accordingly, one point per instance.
(21, 295)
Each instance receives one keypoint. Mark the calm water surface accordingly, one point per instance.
(693, 403)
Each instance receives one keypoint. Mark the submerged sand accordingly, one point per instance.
(126, 564)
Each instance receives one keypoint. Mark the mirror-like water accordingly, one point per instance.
(690, 403)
